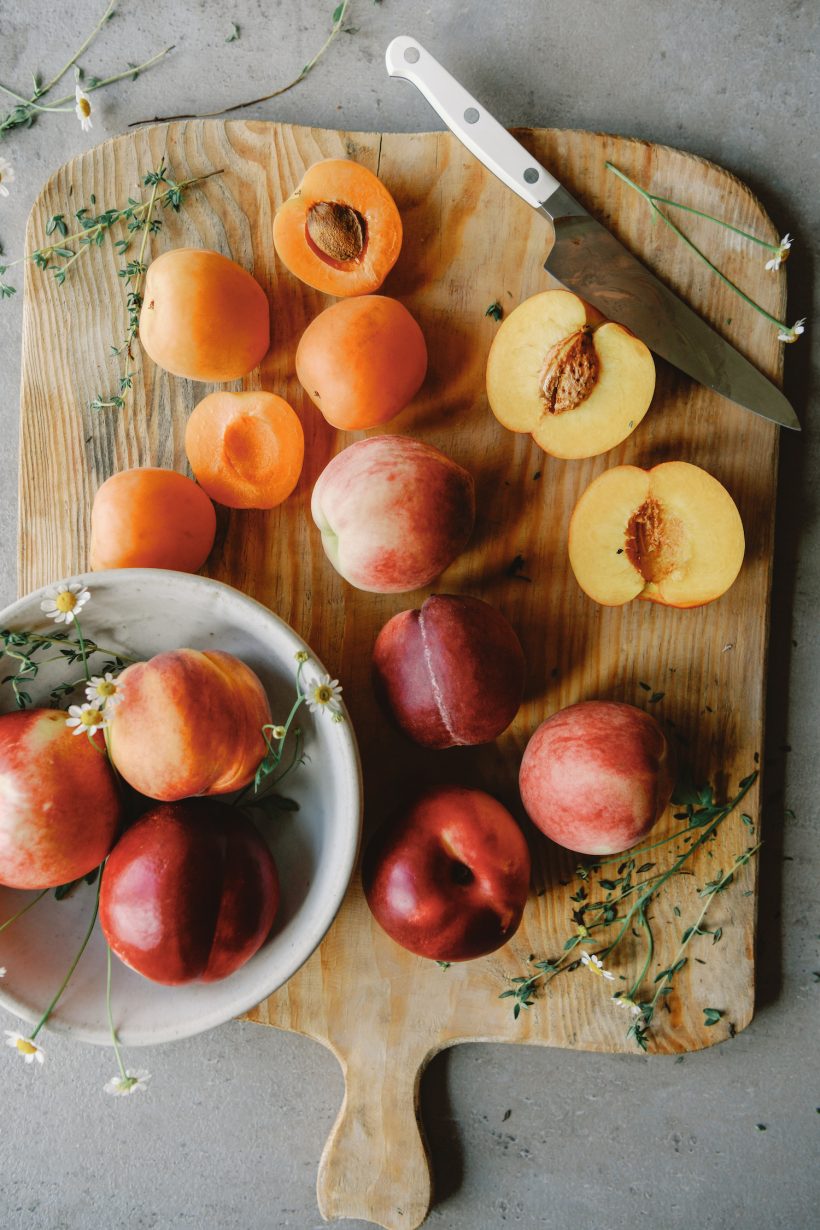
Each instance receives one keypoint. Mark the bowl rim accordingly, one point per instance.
(324, 919)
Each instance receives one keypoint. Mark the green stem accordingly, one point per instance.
(24, 910)
(81, 644)
(764, 243)
(114, 1039)
(28, 102)
(722, 276)
(71, 968)
(650, 952)
(87, 43)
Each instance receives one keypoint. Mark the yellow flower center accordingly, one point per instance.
(65, 601)
(323, 694)
(25, 1047)
(84, 107)
(106, 688)
(91, 717)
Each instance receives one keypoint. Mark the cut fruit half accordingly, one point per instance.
(559, 369)
(671, 535)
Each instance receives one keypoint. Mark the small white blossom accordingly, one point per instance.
(121, 1086)
(63, 602)
(2, 971)
(623, 1001)
(596, 966)
(6, 176)
(781, 254)
(302, 656)
(792, 334)
(86, 719)
(82, 107)
(103, 691)
(323, 693)
(25, 1047)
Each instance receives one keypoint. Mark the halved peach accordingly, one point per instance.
(340, 230)
(559, 369)
(671, 534)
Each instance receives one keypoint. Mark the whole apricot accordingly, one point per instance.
(361, 361)
(151, 518)
(203, 316)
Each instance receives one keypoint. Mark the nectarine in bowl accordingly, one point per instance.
(138, 614)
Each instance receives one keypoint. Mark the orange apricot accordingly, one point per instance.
(340, 230)
(361, 361)
(151, 518)
(246, 449)
(203, 316)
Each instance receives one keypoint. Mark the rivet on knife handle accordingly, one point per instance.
(471, 123)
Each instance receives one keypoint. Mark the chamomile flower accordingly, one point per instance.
(86, 719)
(323, 694)
(6, 176)
(623, 1001)
(82, 105)
(596, 966)
(27, 1048)
(278, 732)
(792, 334)
(302, 656)
(781, 254)
(103, 691)
(121, 1086)
(65, 601)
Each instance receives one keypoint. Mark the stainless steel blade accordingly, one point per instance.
(586, 257)
(589, 260)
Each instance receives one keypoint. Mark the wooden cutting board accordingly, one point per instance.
(468, 242)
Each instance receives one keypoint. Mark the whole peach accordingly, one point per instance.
(393, 513)
(451, 673)
(189, 723)
(596, 776)
(59, 803)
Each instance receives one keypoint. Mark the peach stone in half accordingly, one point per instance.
(559, 369)
(671, 535)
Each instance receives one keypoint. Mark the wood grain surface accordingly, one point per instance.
(468, 242)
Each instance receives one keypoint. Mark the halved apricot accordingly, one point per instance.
(559, 369)
(246, 449)
(361, 361)
(671, 534)
(151, 518)
(203, 316)
(340, 230)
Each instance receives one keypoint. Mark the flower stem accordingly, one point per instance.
(83, 46)
(114, 1038)
(694, 248)
(71, 968)
(81, 643)
(764, 243)
(24, 910)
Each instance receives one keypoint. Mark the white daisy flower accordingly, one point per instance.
(82, 107)
(6, 176)
(596, 966)
(791, 335)
(323, 693)
(781, 254)
(26, 1047)
(86, 719)
(64, 601)
(103, 691)
(121, 1086)
(623, 1001)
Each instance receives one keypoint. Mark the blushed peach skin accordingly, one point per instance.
(393, 513)
(596, 776)
(450, 674)
(190, 723)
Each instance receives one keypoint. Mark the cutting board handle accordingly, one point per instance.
(375, 1165)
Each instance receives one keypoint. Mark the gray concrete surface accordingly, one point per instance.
(231, 1131)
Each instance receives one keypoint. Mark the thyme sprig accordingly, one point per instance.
(27, 649)
(337, 20)
(626, 901)
(27, 109)
(787, 333)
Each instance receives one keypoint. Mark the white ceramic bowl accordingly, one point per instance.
(141, 612)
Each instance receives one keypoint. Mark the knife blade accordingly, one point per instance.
(586, 257)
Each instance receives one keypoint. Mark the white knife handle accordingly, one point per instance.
(475, 127)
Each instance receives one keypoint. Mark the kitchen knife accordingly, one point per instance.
(586, 257)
